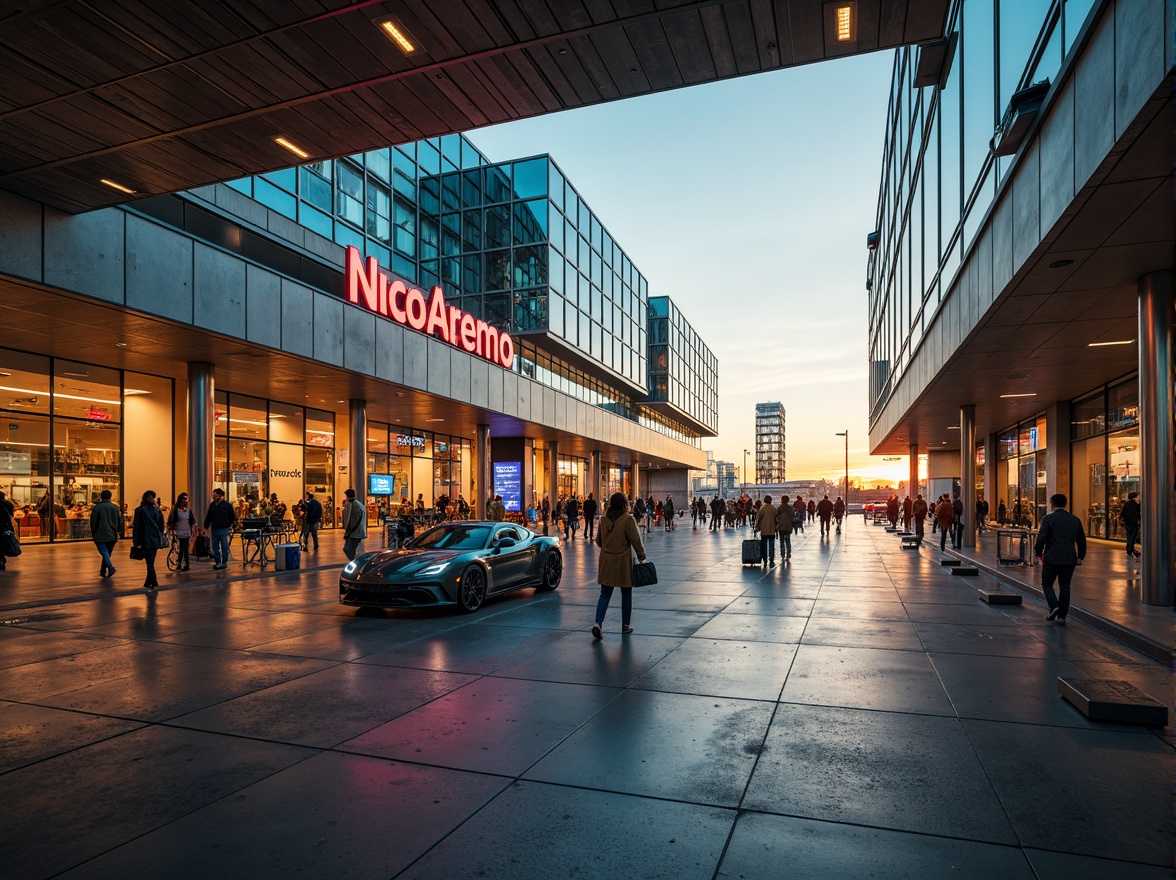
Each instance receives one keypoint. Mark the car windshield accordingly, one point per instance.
(457, 536)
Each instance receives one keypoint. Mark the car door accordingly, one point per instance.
(509, 564)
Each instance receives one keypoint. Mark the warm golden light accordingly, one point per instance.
(398, 37)
(293, 148)
(1116, 342)
(118, 186)
(1026, 394)
(844, 24)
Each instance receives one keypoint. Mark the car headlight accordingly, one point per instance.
(351, 567)
(430, 570)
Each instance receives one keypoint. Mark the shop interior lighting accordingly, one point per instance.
(118, 186)
(1115, 342)
(292, 147)
(398, 35)
(65, 396)
(1026, 394)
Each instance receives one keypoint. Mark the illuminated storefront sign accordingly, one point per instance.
(415, 441)
(508, 482)
(370, 287)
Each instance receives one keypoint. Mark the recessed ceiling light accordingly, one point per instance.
(1026, 394)
(846, 26)
(118, 186)
(76, 374)
(292, 147)
(121, 344)
(953, 427)
(399, 35)
(1061, 264)
(434, 420)
(1115, 342)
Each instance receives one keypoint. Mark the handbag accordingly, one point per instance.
(644, 574)
(9, 545)
(137, 553)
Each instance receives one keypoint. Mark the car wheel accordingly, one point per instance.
(552, 572)
(472, 589)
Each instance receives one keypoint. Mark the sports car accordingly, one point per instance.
(455, 563)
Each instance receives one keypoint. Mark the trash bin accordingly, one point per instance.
(1012, 547)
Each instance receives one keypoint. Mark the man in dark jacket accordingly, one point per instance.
(105, 528)
(7, 522)
(590, 508)
(825, 511)
(1130, 516)
(219, 520)
(1057, 537)
(957, 525)
(312, 518)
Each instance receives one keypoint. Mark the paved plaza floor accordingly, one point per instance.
(854, 712)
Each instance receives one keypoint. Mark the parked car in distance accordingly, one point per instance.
(453, 564)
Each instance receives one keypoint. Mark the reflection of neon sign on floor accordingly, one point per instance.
(372, 288)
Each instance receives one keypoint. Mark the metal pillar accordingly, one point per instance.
(912, 471)
(357, 438)
(485, 486)
(201, 406)
(1158, 498)
(594, 475)
(553, 472)
(968, 471)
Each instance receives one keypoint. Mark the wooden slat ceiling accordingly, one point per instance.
(165, 95)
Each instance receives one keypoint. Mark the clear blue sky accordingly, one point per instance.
(748, 202)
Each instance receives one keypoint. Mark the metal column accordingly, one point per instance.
(201, 406)
(553, 472)
(1156, 303)
(357, 438)
(594, 476)
(912, 473)
(968, 471)
(482, 455)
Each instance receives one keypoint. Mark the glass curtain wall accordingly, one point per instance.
(63, 441)
(1105, 459)
(1021, 474)
(419, 466)
(939, 178)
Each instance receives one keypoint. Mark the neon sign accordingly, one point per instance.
(370, 287)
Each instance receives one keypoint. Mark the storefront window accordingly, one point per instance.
(285, 423)
(248, 470)
(1088, 467)
(1088, 416)
(24, 382)
(1105, 456)
(247, 417)
(1123, 476)
(24, 470)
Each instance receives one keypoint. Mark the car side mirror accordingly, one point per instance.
(504, 542)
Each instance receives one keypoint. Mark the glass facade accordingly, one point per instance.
(1020, 474)
(512, 243)
(1105, 456)
(422, 465)
(682, 370)
(939, 178)
(64, 443)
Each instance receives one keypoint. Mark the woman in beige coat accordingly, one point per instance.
(617, 537)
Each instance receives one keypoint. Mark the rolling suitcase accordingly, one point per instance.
(751, 552)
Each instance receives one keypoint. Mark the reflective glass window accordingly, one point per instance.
(1123, 406)
(1020, 25)
(949, 156)
(530, 179)
(285, 423)
(978, 59)
(24, 382)
(81, 391)
(320, 428)
(428, 157)
(497, 228)
(247, 416)
(530, 266)
(530, 221)
(497, 271)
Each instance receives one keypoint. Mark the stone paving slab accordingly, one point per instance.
(854, 711)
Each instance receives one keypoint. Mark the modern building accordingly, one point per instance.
(296, 300)
(1020, 283)
(769, 443)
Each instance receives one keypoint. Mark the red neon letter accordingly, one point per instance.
(505, 350)
(469, 333)
(454, 317)
(437, 314)
(417, 310)
(487, 341)
(396, 294)
(360, 281)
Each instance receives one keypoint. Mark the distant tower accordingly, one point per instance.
(769, 443)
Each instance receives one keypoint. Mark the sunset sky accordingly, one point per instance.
(748, 202)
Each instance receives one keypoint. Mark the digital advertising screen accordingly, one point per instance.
(508, 482)
(381, 484)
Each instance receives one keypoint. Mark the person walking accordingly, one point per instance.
(800, 511)
(765, 522)
(919, 515)
(716, 510)
(219, 520)
(105, 529)
(617, 539)
(181, 523)
(354, 525)
(312, 518)
(981, 514)
(669, 513)
(496, 510)
(825, 512)
(907, 512)
(571, 517)
(944, 515)
(8, 524)
(812, 510)
(1060, 548)
(148, 533)
(957, 535)
(838, 512)
(784, 523)
(590, 508)
(1130, 516)
(639, 513)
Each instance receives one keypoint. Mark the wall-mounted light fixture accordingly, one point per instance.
(872, 241)
(934, 61)
(1022, 110)
(399, 35)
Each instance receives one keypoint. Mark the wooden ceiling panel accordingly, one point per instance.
(93, 86)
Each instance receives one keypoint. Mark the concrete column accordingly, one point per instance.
(1057, 449)
(1157, 300)
(482, 464)
(529, 489)
(912, 472)
(357, 438)
(553, 472)
(636, 480)
(201, 405)
(991, 489)
(594, 474)
(968, 471)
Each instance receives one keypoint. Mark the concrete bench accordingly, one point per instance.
(1104, 699)
(999, 597)
(965, 571)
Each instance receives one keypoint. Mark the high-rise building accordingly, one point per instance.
(725, 477)
(769, 442)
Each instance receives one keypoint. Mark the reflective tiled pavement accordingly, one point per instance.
(854, 712)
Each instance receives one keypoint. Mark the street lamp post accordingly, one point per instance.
(744, 471)
(845, 434)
